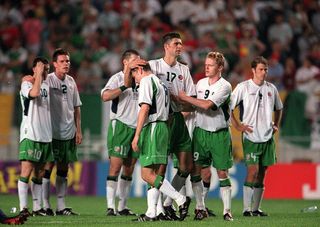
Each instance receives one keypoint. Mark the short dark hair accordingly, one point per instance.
(39, 59)
(169, 36)
(58, 52)
(127, 54)
(146, 67)
(259, 60)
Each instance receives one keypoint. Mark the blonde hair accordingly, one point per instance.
(218, 57)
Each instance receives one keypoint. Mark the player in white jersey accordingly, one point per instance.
(151, 139)
(66, 125)
(176, 76)
(123, 117)
(211, 142)
(257, 100)
(35, 148)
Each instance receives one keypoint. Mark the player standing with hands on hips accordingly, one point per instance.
(257, 100)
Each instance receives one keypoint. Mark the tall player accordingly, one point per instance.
(257, 100)
(176, 76)
(123, 120)
(66, 125)
(211, 137)
(35, 148)
(151, 139)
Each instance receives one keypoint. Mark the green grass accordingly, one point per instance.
(92, 210)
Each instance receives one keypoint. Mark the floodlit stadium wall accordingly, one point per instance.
(283, 181)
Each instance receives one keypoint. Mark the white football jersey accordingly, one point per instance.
(125, 107)
(175, 78)
(257, 104)
(36, 117)
(153, 92)
(64, 98)
(219, 93)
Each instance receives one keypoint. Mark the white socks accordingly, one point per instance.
(197, 188)
(23, 194)
(36, 191)
(46, 193)
(111, 188)
(152, 200)
(177, 182)
(225, 193)
(247, 198)
(124, 189)
(167, 189)
(257, 198)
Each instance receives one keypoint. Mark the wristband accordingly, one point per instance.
(122, 88)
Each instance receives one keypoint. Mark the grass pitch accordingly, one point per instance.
(92, 213)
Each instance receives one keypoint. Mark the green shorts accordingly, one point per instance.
(179, 135)
(259, 153)
(212, 148)
(65, 150)
(153, 144)
(119, 140)
(35, 151)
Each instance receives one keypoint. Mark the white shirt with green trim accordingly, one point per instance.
(175, 77)
(125, 107)
(36, 116)
(219, 93)
(64, 98)
(154, 93)
(257, 104)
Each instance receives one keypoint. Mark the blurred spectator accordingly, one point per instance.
(275, 71)
(17, 56)
(89, 76)
(9, 33)
(305, 77)
(179, 11)
(32, 28)
(249, 45)
(280, 30)
(109, 20)
(204, 16)
(289, 80)
(7, 80)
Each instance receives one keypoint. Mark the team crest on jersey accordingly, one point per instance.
(180, 77)
(269, 94)
(30, 152)
(117, 149)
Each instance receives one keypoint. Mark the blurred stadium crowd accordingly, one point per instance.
(96, 32)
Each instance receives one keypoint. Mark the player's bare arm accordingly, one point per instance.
(77, 119)
(239, 126)
(277, 119)
(38, 71)
(142, 116)
(201, 103)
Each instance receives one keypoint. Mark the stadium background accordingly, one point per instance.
(96, 32)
